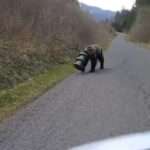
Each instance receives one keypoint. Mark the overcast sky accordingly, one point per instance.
(110, 4)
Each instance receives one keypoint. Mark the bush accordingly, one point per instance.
(140, 31)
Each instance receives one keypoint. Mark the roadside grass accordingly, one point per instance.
(12, 99)
(144, 45)
(141, 44)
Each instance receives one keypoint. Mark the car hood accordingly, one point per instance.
(140, 141)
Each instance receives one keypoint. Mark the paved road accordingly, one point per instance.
(87, 107)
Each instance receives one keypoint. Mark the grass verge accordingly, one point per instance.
(140, 44)
(12, 99)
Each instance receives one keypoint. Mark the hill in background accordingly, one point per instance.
(98, 13)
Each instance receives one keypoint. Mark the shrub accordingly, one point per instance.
(140, 31)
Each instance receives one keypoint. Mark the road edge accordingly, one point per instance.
(14, 99)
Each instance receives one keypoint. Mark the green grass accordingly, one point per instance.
(12, 99)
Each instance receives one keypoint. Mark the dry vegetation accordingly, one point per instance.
(141, 29)
(34, 35)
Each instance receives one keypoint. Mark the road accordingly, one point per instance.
(87, 107)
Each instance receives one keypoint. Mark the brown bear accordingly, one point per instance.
(95, 54)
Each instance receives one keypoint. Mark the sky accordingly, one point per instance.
(114, 5)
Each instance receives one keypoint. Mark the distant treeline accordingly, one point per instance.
(124, 20)
(136, 21)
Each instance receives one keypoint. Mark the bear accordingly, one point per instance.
(95, 54)
(91, 53)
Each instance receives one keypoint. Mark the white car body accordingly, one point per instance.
(139, 141)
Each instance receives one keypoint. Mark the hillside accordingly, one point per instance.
(98, 13)
(37, 35)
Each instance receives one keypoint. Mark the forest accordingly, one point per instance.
(136, 22)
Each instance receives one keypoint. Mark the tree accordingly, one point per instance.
(142, 2)
(124, 20)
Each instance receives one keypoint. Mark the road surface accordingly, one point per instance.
(87, 107)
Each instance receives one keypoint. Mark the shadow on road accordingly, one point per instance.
(104, 71)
